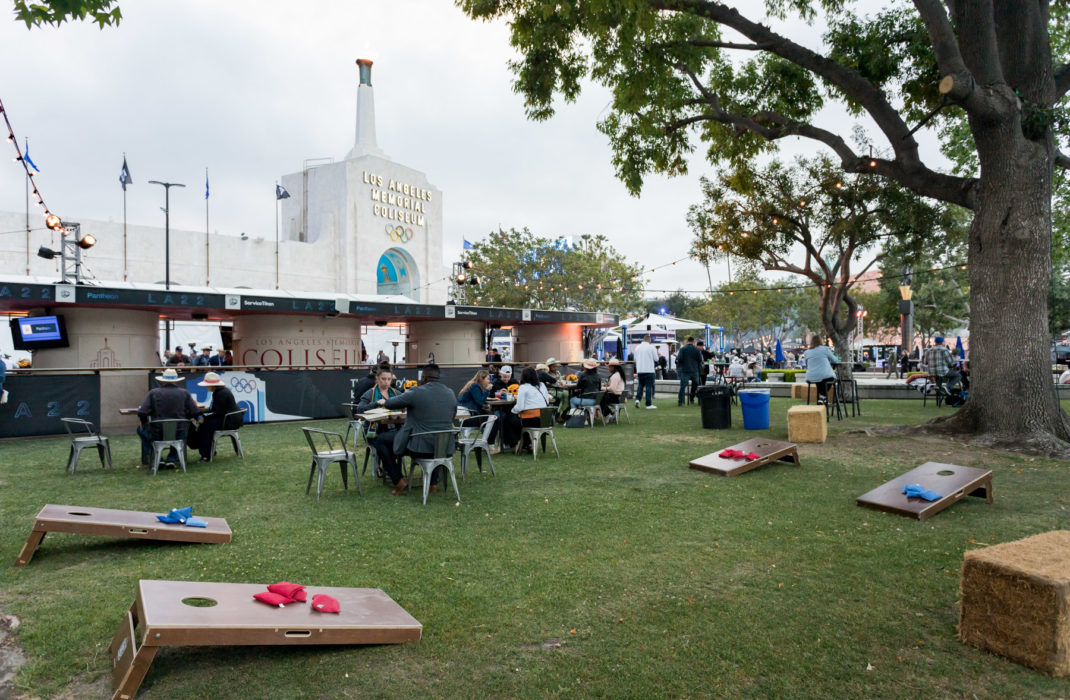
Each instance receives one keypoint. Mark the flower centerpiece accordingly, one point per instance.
(409, 383)
(513, 388)
(571, 378)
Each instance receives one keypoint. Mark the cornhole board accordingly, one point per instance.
(117, 523)
(955, 485)
(767, 451)
(192, 613)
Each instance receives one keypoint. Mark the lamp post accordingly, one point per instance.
(395, 344)
(906, 309)
(167, 245)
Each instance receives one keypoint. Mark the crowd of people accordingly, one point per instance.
(179, 358)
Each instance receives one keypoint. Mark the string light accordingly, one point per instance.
(52, 221)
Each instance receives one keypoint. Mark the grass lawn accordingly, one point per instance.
(614, 571)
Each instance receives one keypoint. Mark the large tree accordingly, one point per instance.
(519, 269)
(680, 69)
(810, 221)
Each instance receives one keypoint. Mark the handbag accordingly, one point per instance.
(578, 420)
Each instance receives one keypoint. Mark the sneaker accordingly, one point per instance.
(650, 407)
(637, 404)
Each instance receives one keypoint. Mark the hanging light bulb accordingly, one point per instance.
(52, 221)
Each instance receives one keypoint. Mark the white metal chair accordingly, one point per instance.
(359, 428)
(444, 440)
(168, 433)
(326, 452)
(615, 408)
(229, 429)
(83, 436)
(476, 439)
(546, 428)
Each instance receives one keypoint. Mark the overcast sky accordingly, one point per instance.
(250, 90)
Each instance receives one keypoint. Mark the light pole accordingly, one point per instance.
(167, 245)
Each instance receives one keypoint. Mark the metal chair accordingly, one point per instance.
(546, 428)
(83, 436)
(359, 428)
(229, 429)
(168, 433)
(328, 455)
(937, 388)
(589, 412)
(476, 438)
(444, 440)
(617, 407)
(847, 390)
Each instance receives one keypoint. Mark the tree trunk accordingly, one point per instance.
(1013, 402)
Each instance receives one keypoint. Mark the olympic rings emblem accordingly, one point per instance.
(242, 384)
(399, 233)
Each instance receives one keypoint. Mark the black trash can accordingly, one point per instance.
(715, 403)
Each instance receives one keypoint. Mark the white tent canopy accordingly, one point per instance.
(666, 323)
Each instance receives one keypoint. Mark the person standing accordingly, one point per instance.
(167, 401)
(222, 403)
(688, 362)
(819, 360)
(431, 407)
(646, 361)
(178, 359)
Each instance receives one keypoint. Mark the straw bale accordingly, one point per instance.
(807, 424)
(798, 391)
(1016, 601)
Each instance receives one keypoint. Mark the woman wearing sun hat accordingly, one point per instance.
(222, 403)
(587, 385)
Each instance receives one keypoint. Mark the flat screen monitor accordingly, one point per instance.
(39, 332)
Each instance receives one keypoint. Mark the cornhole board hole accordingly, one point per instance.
(192, 613)
(117, 523)
(767, 451)
(1016, 601)
(951, 480)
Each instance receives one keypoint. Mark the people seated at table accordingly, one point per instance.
(616, 387)
(368, 381)
(819, 360)
(380, 436)
(1064, 378)
(167, 401)
(588, 384)
(531, 397)
(542, 371)
(431, 406)
(204, 359)
(222, 403)
(736, 370)
(503, 380)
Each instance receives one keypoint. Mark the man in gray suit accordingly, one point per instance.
(430, 406)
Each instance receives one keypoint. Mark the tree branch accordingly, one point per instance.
(729, 45)
(1062, 81)
(1062, 160)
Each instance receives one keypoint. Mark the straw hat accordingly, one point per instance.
(542, 367)
(590, 363)
(169, 376)
(550, 362)
(614, 361)
(212, 379)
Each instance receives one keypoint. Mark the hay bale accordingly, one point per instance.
(798, 391)
(1016, 601)
(807, 424)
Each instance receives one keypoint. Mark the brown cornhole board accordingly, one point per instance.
(961, 482)
(117, 523)
(767, 450)
(160, 618)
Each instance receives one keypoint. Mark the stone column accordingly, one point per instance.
(453, 342)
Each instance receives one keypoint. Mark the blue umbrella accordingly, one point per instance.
(959, 349)
(779, 353)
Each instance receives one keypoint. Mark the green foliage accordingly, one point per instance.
(518, 269)
(55, 12)
(772, 313)
(789, 375)
(773, 215)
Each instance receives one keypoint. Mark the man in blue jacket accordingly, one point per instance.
(688, 362)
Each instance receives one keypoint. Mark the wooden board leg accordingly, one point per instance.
(130, 663)
(28, 549)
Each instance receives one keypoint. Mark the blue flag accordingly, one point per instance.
(26, 155)
(206, 184)
(124, 176)
(467, 244)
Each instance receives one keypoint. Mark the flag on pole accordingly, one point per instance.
(281, 193)
(206, 183)
(468, 244)
(26, 155)
(124, 176)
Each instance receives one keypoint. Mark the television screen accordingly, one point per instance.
(39, 332)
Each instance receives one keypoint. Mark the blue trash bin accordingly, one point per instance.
(755, 405)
